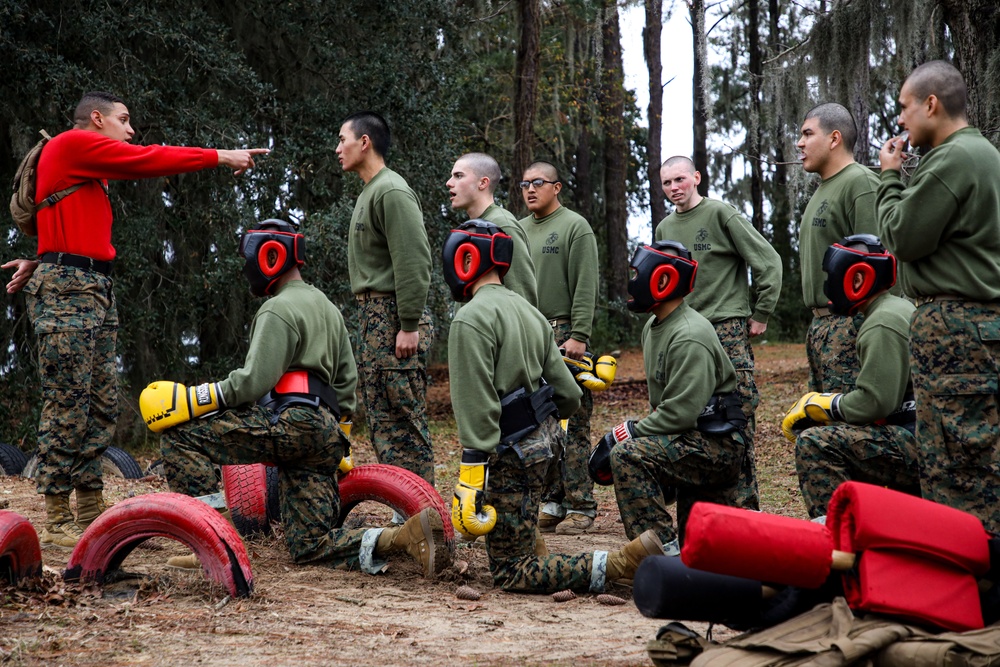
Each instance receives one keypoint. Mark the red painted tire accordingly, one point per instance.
(246, 489)
(400, 489)
(20, 552)
(116, 532)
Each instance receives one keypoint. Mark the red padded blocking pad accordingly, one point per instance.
(753, 545)
(863, 516)
(909, 586)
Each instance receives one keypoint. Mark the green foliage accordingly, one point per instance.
(282, 76)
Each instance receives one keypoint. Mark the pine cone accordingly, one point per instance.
(564, 596)
(612, 600)
(467, 593)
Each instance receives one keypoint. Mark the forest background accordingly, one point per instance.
(519, 79)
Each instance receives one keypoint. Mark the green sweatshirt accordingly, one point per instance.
(844, 204)
(297, 328)
(724, 243)
(499, 343)
(564, 252)
(685, 366)
(387, 246)
(520, 279)
(944, 228)
(884, 357)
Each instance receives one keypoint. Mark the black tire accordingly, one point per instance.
(115, 461)
(12, 459)
(273, 499)
(123, 461)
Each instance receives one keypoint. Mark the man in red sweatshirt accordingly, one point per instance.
(71, 303)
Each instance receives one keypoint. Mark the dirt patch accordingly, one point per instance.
(305, 615)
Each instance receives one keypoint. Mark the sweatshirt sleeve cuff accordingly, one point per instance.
(890, 175)
(409, 325)
(579, 337)
(760, 316)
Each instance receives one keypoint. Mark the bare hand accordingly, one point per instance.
(757, 328)
(891, 155)
(406, 344)
(240, 160)
(574, 348)
(23, 270)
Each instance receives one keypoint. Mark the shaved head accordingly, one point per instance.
(547, 168)
(942, 80)
(482, 165)
(95, 99)
(833, 116)
(679, 161)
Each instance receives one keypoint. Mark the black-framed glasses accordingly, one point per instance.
(537, 182)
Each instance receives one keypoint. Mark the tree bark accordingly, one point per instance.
(651, 51)
(700, 93)
(612, 106)
(525, 95)
(974, 28)
(754, 130)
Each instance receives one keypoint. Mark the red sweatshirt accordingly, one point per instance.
(81, 223)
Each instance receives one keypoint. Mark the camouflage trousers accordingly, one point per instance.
(569, 485)
(734, 334)
(827, 456)
(831, 349)
(395, 390)
(75, 318)
(515, 485)
(304, 443)
(697, 466)
(954, 357)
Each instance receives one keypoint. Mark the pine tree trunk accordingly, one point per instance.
(700, 115)
(525, 95)
(612, 105)
(754, 130)
(975, 32)
(651, 51)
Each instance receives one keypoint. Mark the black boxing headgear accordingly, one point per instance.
(843, 264)
(649, 264)
(485, 244)
(271, 249)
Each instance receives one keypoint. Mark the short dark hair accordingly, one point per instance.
(833, 116)
(944, 81)
(375, 126)
(96, 99)
(549, 169)
(484, 165)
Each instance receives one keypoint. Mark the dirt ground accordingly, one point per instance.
(312, 615)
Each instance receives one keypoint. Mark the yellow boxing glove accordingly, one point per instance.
(584, 372)
(469, 515)
(346, 464)
(165, 404)
(605, 368)
(813, 409)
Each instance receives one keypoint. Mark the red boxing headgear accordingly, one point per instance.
(649, 264)
(843, 264)
(262, 268)
(486, 245)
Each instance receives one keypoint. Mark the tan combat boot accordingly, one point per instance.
(60, 529)
(89, 505)
(623, 563)
(190, 561)
(574, 524)
(422, 536)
